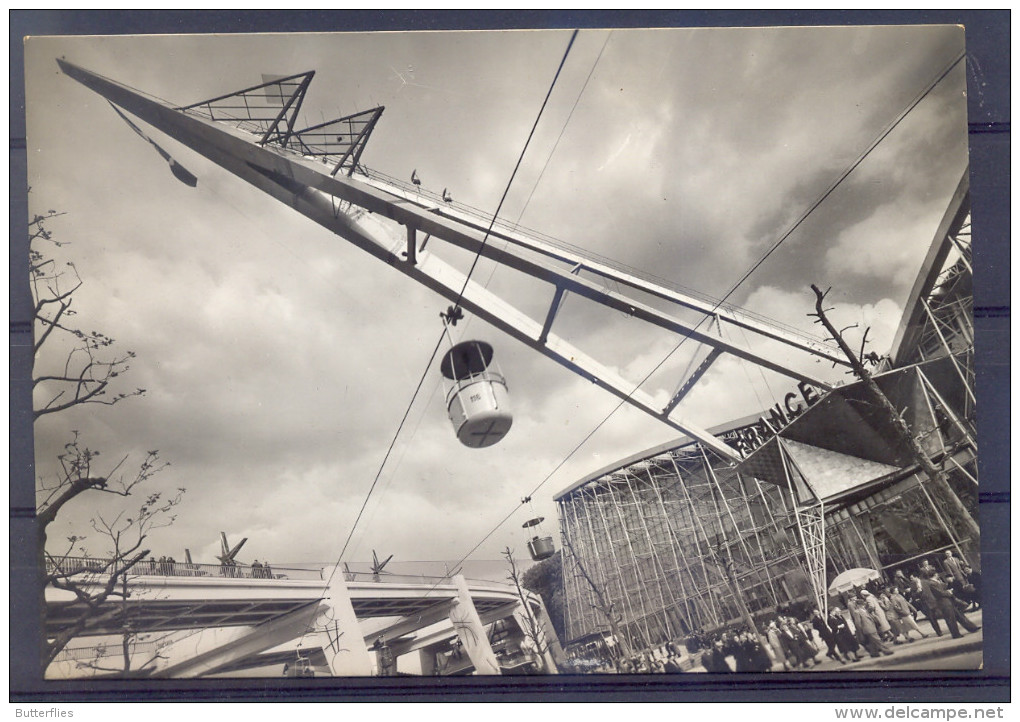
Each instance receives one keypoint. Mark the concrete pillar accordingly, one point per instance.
(215, 648)
(556, 652)
(465, 620)
(427, 661)
(339, 633)
(553, 654)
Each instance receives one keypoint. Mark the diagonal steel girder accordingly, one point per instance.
(579, 262)
(308, 187)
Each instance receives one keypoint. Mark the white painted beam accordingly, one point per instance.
(291, 179)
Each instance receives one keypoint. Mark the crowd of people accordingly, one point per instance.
(257, 570)
(868, 621)
(169, 567)
(166, 566)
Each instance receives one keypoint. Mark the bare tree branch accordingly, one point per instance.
(895, 420)
(533, 630)
(605, 606)
(75, 367)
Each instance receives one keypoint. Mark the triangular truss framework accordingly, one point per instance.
(270, 111)
(343, 139)
(275, 164)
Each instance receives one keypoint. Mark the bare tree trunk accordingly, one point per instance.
(896, 422)
(738, 598)
(604, 606)
(534, 631)
(127, 635)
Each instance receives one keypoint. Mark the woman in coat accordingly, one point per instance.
(906, 612)
(875, 609)
(893, 615)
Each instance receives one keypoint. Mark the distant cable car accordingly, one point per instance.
(477, 400)
(540, 547)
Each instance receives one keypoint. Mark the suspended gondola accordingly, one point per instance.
(477, 399)
(540, 547)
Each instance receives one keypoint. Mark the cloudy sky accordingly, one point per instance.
(279, 359)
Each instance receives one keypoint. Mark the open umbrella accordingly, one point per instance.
(852, 578)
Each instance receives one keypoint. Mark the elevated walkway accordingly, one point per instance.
(237, 613)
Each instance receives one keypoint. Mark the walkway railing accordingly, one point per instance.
(81, 568)
(85, 566)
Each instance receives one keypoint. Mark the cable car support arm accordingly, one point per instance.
(307, 186)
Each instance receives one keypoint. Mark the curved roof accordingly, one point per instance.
(914, 317)
(841, 440)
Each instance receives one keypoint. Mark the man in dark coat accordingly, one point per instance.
(924, 600)
(827, 634)
(947, 609)
(741, 651)
(974, 579)
(841, 632)
(760, 659)
(961, 589)
(714, 659)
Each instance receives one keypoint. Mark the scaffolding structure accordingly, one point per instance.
(680, 539)
(660, 538)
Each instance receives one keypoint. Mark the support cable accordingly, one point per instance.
(467, 279)
(552, 152)
(718, 303)
(534, 187)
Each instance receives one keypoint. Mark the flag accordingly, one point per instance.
(180, 172)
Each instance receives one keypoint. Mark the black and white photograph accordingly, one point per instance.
(522, 352)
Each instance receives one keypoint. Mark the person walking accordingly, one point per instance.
(946, 603)
(805, 649)
(761, 661)
(926, 601)
(828, 636)
(905, 611)
(776, 644)
(900, 581)
(952, 565)
(714, 659)
(867, 628)
(841, 632)
(974, 580)
(893, 615)
(742, 653)
(875, 609)
(961, 589)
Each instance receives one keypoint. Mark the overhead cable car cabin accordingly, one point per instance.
(477, 399)
(540, 547)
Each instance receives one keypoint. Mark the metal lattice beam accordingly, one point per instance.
(308, 186)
